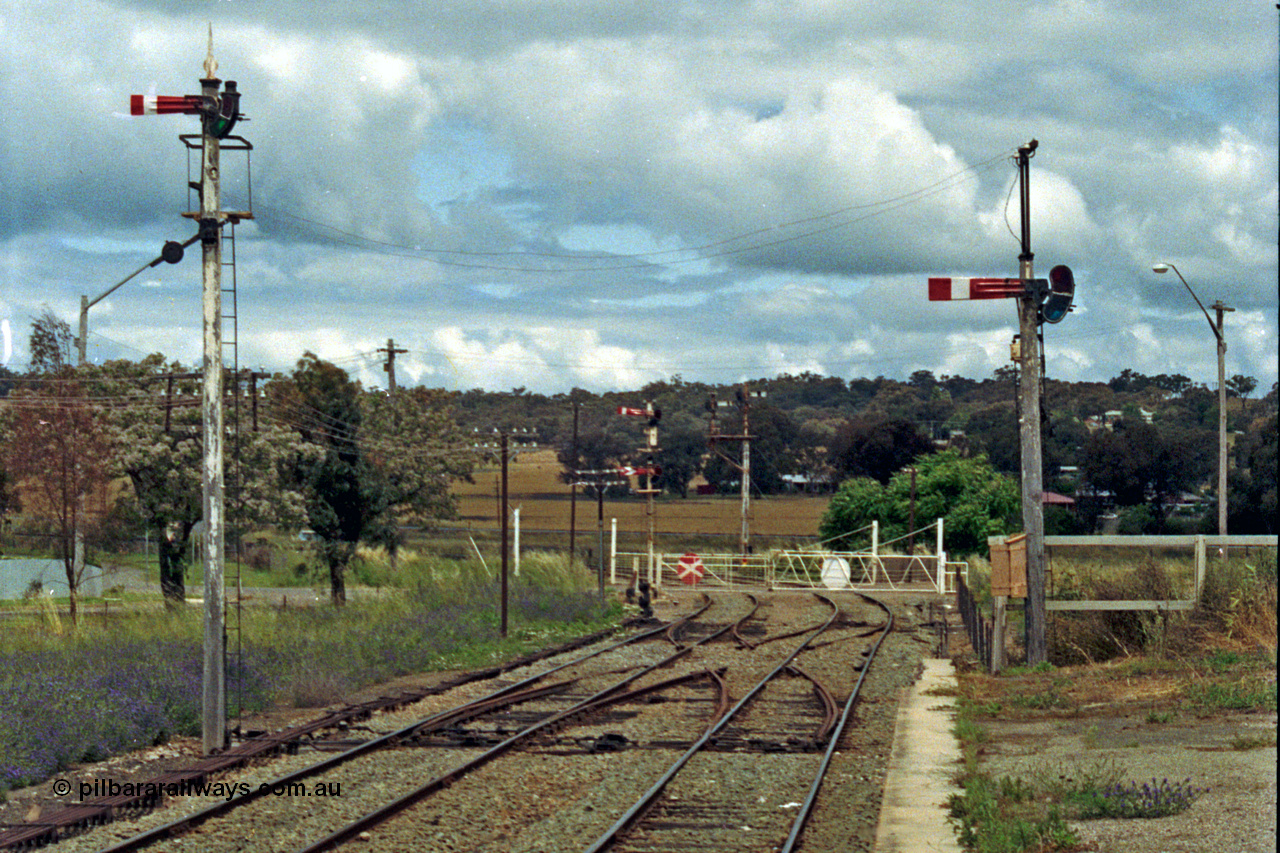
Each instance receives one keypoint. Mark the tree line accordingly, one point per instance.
(105, 450)
(1135, 445)
(355, 464)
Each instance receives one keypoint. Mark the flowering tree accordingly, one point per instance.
(156, 435)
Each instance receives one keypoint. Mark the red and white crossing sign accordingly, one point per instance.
(144, 105)
(948, 288)
(643, 470)
(690, 568)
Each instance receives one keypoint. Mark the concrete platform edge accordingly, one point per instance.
(924, 759)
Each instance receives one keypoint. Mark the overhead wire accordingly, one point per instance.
(668, 257)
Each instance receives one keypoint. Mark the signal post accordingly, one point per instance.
(1039, 301)
(219, 111)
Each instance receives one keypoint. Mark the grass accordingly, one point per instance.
(85, 694)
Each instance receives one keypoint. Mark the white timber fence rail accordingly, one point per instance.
(1205, 549)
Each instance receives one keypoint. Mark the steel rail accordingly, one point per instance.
(103, 810)
(383, 813)
(825, 699)
(647, 799)
(806, 808)
(446, 717)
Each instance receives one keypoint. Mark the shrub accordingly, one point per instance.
(1153, 799)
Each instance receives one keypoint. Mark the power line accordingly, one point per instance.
(670, 257)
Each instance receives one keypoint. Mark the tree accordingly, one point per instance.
(413, 442)
(50, 344)
(974, 500)
(877, 448)
(682, 447)
(1252, 485)
(57, 453)
(1140, 463)
(1242, 386)
(993, 430)
(157, 443)
(374, 461)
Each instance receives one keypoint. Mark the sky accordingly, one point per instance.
(597, 194)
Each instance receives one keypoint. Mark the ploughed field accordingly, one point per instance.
(565, 784)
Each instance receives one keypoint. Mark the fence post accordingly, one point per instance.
(998, 625)
(1200, 565)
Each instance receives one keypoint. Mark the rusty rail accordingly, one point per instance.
(650, 797)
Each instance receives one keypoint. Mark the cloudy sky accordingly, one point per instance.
(598, 193)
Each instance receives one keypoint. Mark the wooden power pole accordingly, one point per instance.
(390, 364)
(1029, 423)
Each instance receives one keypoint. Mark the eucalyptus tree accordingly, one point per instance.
(375, 461)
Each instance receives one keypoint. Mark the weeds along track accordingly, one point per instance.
(741, 695)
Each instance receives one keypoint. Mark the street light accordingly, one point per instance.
(171, 253)
(1219, 308)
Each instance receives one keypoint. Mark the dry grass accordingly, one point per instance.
(533, 485)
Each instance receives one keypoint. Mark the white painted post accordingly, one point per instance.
(515, 513)
(1200, 565)
(875, 551)
(613, 551)
(942, 563)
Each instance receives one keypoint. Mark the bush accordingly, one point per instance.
(1095, 636)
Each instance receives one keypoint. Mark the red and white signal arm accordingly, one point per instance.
(143, 105)
(690, 568)
(949, 288)
(631, 411)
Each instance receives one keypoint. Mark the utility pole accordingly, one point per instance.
(744, 541)
(573, 485)
(214, 716)
(743, 395)
(1029, 422)
(390, 365)
(503, 512)
(1220, 309)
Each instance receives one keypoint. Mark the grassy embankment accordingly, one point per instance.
(75, 694)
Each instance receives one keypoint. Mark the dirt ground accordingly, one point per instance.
(1237, 814)
(1131, 721)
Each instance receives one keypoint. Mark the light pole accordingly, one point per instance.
(170, 254)
(1220, 309)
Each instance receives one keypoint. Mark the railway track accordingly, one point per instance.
(682, 811)
(588, 736)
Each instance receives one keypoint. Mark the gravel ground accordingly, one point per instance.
(550, 799)
(1236, 815)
